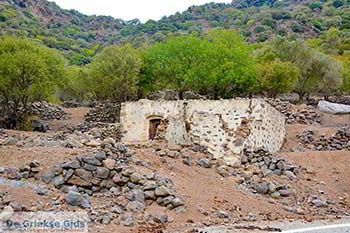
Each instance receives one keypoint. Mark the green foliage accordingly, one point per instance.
(317, 70)
(29, 72)
(76, 84)
(219, 63)
(277, 77)
(338, 3)
(114, 73)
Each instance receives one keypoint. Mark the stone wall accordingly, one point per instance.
(225, 127)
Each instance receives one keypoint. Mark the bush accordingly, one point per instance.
(29, 72)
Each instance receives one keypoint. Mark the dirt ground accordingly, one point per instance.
(206, 192)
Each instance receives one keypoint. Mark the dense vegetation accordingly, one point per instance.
(81, 37)
(180, 52)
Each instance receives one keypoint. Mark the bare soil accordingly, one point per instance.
(205, 191)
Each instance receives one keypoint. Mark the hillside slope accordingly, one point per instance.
(81, 36)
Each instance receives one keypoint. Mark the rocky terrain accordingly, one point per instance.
(156, 187)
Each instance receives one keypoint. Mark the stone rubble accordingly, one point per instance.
(48, 111)
(339, 141)
(106, 112)
(107, 172)
(95, 137)
(306, 115)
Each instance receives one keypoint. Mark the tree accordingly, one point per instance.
(314, 66)
(76, 84)
(29, 72)
(219, 64)
(171, 64)
(114, 73)
(277, 77)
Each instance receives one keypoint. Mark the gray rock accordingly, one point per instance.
(150, 195)
(136, 177)
(167, 200)
(287, 192)
(42, 191)
(149, 185)
(272, 187)
(162, 191)
(244, 159)
(261, 188)
(128, 219)
(180, 209)
(115, 190)
(117, 210)
(34, 163)
(102, 172)
(74, 198)
(223, 214)
(92, 161)
(100, 155)
(86, 204)
(58, 181)
(72, 164)
(48, 176)
(159, 218)
(177, 201)
(90, 167)
(135, 206)
(10, 141)
(206, 163)
(319, 203)
(68, 174)
(275, 195)
(290, 175)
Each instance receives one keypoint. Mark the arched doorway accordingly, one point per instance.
(154, 122)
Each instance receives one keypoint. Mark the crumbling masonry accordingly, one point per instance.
(225, 127)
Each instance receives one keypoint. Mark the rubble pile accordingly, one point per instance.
(340, 99)
(48, 111)
(101, 130)
(3, 134)
(304, 115)
(269, 164)
(253, 173)
(74, 104)
(94, 138)
(108, 171)
(339, 141)
(107, 112)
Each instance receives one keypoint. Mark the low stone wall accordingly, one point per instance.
(224, 127)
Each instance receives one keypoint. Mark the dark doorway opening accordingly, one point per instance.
(153, 125)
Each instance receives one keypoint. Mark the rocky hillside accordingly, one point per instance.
(81, 36)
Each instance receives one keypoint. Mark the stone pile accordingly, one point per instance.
(269, 164)
(253, 173)
(108, 171)
(74, 104)
(48, 111)
(27, 171)
(3, 134)
(107, 112)
(340, 99)
(339, 141)
(302, 115)
(101, 130)
(93, 138)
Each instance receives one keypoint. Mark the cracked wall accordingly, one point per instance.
(225, 127)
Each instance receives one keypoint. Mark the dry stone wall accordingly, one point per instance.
(224, 127)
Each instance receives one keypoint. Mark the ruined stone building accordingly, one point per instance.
(225, 127)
